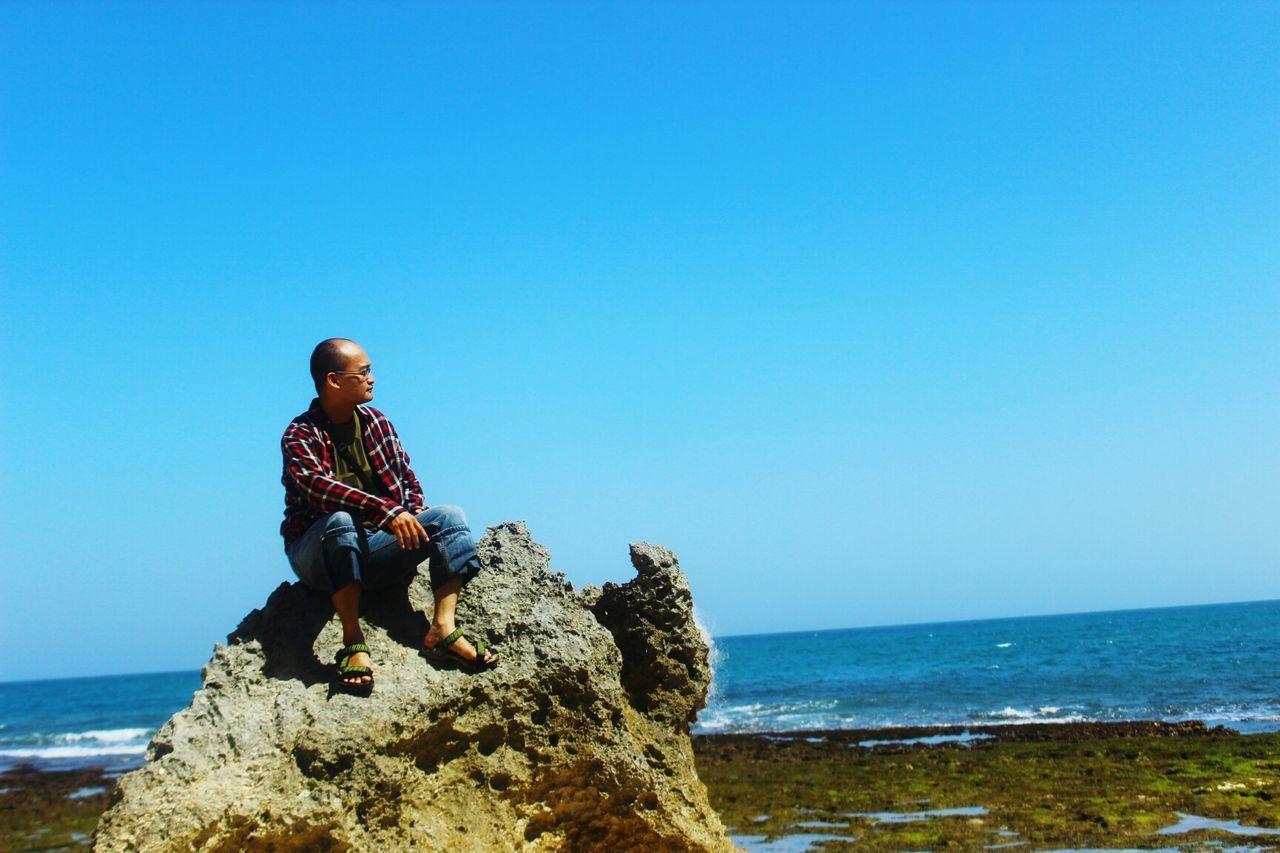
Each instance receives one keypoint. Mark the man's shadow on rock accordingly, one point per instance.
(290, 623)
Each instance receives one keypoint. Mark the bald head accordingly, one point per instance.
(330, 356)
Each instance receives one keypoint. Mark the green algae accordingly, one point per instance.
(1094, 786)
(55, 810)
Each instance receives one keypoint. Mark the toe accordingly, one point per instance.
(359, 679)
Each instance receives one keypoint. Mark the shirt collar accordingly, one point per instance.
(316, 411)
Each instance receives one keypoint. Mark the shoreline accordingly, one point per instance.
(1028, 731)
(1040, 786)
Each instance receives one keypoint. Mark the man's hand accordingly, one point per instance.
(408, 532)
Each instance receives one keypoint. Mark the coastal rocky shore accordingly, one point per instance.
(577, 740)
(1019, 787)
(1082, 786)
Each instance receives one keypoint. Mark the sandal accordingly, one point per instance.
(443, 651)
(345, 671)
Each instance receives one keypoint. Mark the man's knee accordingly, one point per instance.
(339, 519)
(338, 527)
(445, 516)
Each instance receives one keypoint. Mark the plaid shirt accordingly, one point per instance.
(311, 490)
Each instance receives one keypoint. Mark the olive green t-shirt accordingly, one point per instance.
(351, 461)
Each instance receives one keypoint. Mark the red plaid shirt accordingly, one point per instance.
(311, 490)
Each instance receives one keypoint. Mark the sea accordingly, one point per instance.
(1218, 663)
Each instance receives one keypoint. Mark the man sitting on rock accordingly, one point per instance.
(355, 517)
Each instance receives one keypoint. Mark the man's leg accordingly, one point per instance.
(443, 622)
(453, 562)
(328, 558)
(346, 602)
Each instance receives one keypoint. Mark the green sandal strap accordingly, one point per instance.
(354, 670)
(347, 652)
(442, 651)
(451, 639)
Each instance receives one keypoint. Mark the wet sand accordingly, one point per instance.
(1025, 787)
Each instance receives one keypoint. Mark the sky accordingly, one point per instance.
(874, 313)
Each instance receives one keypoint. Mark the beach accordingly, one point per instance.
(1026, 787)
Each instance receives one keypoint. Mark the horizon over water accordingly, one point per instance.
(1217, 662)
(1069, 613)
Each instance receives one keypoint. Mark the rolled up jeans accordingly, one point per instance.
(336, 551)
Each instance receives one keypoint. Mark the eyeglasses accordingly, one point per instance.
(364, 371)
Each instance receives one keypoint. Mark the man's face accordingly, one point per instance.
(354, 382)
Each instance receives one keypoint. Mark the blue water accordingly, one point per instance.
(1218, 663)
(101, 722)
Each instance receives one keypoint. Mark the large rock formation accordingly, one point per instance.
(577, 740)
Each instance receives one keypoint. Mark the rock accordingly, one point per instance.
(577, 740)
(663, 649)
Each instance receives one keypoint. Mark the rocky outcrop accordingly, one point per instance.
(577, 740)
(644, 617)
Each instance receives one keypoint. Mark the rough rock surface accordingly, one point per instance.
(577, 740)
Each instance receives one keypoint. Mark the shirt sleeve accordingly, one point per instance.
(304, 469)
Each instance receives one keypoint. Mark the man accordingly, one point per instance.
(355, 517)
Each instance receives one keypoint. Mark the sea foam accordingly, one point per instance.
(72, 745)
(108, 736)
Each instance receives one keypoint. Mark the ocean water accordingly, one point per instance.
(1217, 663)
(101, 722)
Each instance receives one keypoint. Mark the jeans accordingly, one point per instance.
(336, 551)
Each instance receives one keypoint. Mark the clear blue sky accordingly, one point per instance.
(873, 312)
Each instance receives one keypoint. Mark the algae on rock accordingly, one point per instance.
(577, 740)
